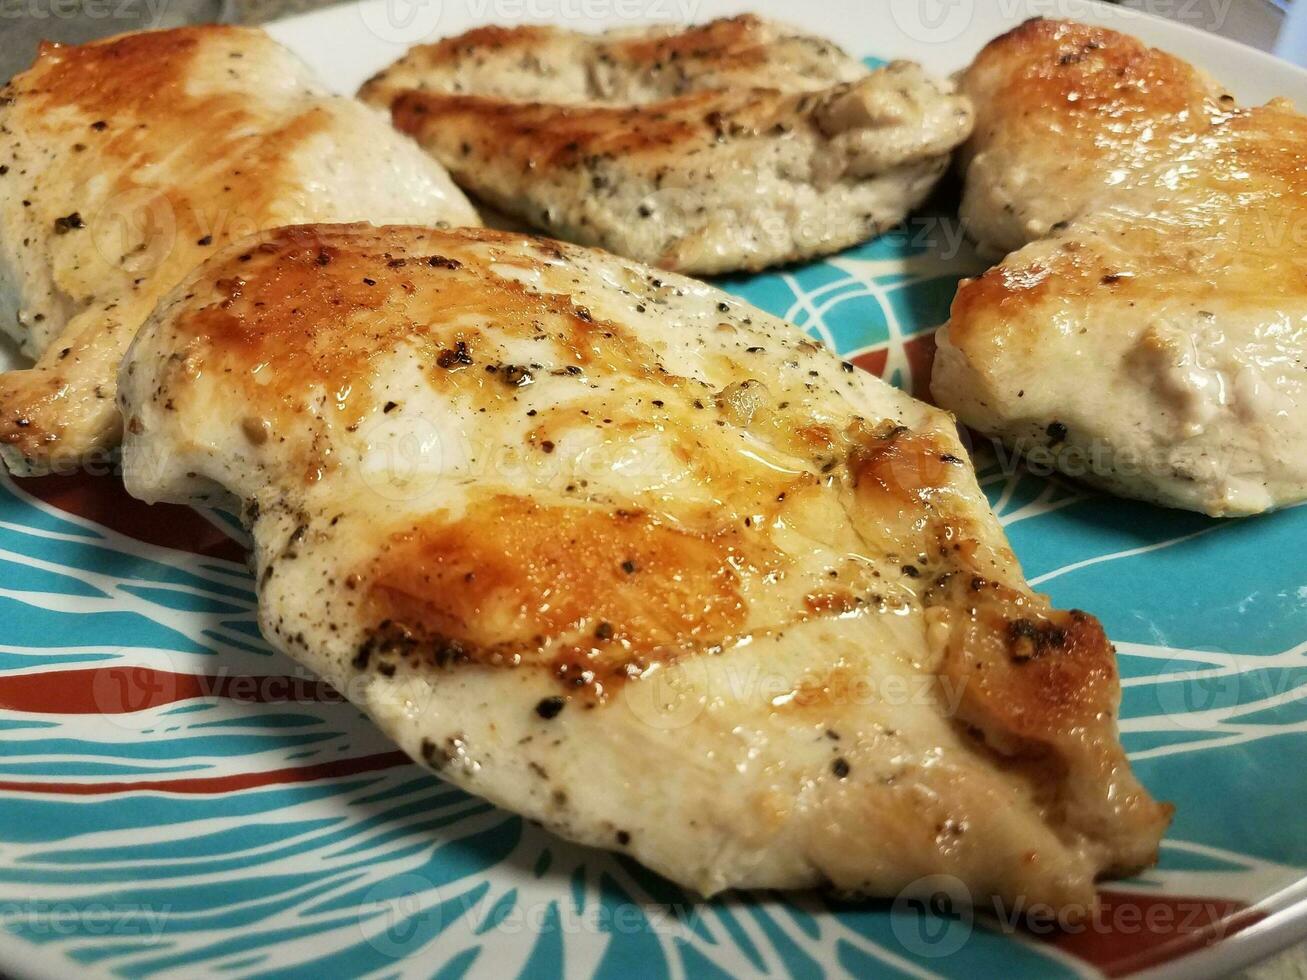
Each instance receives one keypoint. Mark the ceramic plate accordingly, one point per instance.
(176, 798)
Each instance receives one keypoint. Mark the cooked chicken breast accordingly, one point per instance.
(1156, 342)
(645, 64)
(614, 550)
(735, 145)
(124, 163)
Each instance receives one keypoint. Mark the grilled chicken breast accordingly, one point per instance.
(734, 145)
(614, 550)
(124, 163)
(1155, 342)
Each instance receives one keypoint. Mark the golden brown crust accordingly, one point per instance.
(269, 304)
(795, 525)
(732, 43)
(620, 589)
(132, 159)
(107, 114)
(1103, 91)
(124, 75)
(1039, 687)
(1222, 228)
(1174, 199)
(558, 137)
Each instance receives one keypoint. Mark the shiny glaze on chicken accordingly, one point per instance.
(126, 162)
(615, 550)
(1155, 341)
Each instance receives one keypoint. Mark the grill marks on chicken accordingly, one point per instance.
(647, 64)
(735, 145)
(552, 517)
(1153, 343)
(130, 160)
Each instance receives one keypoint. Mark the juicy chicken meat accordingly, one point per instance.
(126, 162)
(734, 145)
(1155, 342)
(640, 562)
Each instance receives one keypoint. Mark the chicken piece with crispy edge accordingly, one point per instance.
(619, 552)
(1154, 343)
(734, 145)
(124, 163)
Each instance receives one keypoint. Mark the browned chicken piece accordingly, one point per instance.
(1155, 343)
(124, 163)
(735, 145)
(1068, 117)
(643, 563)
(647, 64)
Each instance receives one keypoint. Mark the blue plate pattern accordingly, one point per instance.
(175, 796)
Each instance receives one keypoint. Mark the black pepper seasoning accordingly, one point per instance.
(550, 707)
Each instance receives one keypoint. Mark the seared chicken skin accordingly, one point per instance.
(640, 562)
(1156, 342)
(734, 145)
(126, 162)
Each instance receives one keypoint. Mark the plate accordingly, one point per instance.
(176, 798)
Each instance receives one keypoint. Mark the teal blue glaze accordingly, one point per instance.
(222, 842)
(633, 949)
(503, 907)
(724, 913)
(546, 958)
(90, 769)
(446, 863)
(260, 721)
(1267, 830)
(237, 943)
(184, 601)
(18, 511)
(458, 966)
(32, 626)
(174, 748)
(29, 578)
(798, 964)
(97, 954)
(696, 964)
(27, 820)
